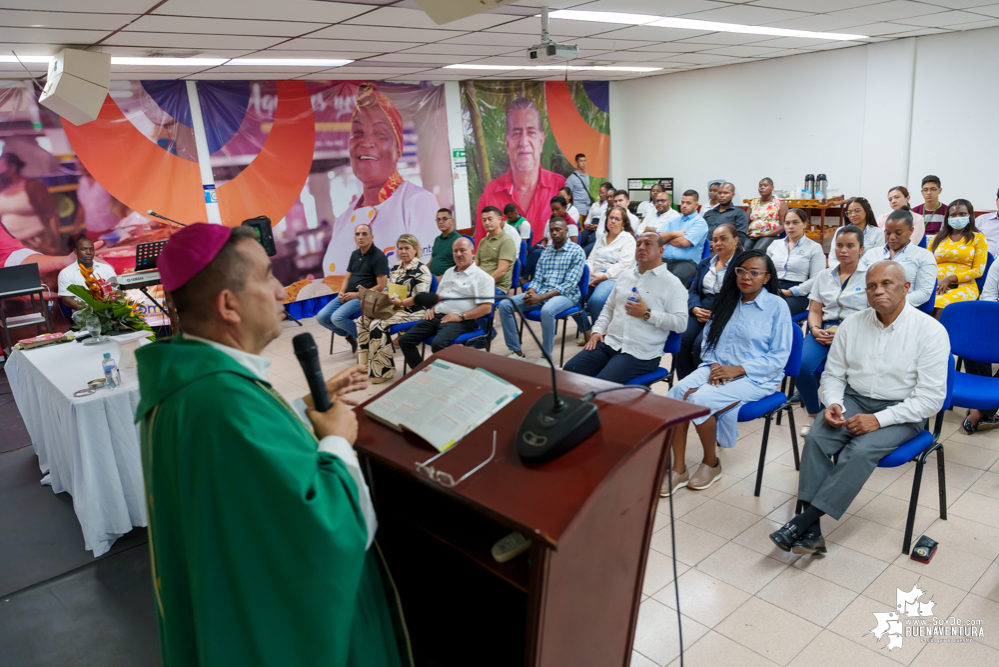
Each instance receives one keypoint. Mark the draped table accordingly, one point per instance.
(87, 446)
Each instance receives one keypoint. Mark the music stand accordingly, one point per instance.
(146, 255)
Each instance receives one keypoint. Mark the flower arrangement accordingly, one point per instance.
(116, 313)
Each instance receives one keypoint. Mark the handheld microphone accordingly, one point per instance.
(163, 217)
(308, 357)
(554, 424)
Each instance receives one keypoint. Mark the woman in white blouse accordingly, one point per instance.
(613, 253)
(837, 293)
(571, 208)
(898, 198)
(860, 215)
(798, 260)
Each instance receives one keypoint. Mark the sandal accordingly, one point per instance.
(968, 427)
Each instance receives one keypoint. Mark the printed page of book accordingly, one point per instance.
(416, 392)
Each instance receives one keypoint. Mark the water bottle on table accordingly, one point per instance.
(112, 376)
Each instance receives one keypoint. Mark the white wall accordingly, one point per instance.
(869, 117)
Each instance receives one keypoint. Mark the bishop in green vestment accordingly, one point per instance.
(261, 533)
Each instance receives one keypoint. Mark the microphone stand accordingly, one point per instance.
(163, 217)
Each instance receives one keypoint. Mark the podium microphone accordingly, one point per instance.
(308, 357)
(163, 217)
(555, 423)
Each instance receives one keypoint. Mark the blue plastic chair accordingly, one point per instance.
(672, 346)
(406, 326)
(707, 249)
(535, 315)
(967, 342)
(470, 240)
(981, 279)
(800, 317)
(929, 305)
(471, 336)
(515, 276)
(922, 242)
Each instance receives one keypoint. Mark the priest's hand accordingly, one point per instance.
(338, 420)
(345, 382)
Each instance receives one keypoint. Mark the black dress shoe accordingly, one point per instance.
(786, 536)
(809, 543)
(353, 344)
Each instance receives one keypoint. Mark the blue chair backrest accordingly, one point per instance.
(922, 242)
(584, 284)
(928, 305)
(707, 249)
(981, 279)
(524, 246)
(793, 366)
(470, 240)
(672, 345)
(433, 283)
(968, 324)
(515, 279)
(950, 383)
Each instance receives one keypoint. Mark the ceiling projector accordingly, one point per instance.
(550, 51)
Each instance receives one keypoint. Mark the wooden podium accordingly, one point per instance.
(572, 599)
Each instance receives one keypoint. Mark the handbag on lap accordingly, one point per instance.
(375, 305)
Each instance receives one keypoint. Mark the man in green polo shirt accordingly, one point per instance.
(497, 250)
(442, 257)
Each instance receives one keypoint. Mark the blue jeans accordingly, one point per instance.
(336, 317)
(549, 309)
(813, 354)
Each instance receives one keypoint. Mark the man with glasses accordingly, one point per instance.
(932, 210)
(726, 211)
(442, 257)
(661, 214)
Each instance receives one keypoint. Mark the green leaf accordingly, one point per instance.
(84, 294)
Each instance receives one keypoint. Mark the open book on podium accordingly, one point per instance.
(442, 402)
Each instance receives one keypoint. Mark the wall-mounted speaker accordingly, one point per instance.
(77, 83)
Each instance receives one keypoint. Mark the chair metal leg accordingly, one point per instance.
(565, 325)
(942, 481)
(794, 438)
(332, 339)
(911, 518)
(790, 390)
(763, 453)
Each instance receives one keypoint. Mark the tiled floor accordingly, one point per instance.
(745, 602)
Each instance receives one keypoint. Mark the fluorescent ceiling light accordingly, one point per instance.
(168, 62)
(289, 62)
(692, 24)
(559, 68)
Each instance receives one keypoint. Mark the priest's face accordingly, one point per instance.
(258, 306)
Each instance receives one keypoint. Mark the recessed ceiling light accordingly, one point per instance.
(692, 24)
(289, 62)
(559, 68)
(168, 62)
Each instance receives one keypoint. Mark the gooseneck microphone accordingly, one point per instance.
(163, 217)
(308, 357)
(555, 423)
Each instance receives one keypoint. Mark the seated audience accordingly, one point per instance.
(898, 198)
(450, 319)
(875, 402)
(766, 217)
(571, 211)
(961, 252)
(554, 288)
(860, 215)
(647, 208)
(623, 199)
(71, 275)
(701, 296)
(497, 250)
(660, 214)
(988, 224)
(594, 220)
(558, 204)
(727, 212)
(628, 337)
(918, 263)
(368, 267)
(747, 343)
(932, 209)
(684, 237)
(517, 222)
(975, 418)
(798, 260)
(613, 254)
(712, 202)
(373, 341)
(441, 257)
(837, 293)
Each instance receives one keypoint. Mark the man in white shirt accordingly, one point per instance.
(450, 319)
(919, 264)
(664, 213)
(647, 208)
(885, 375)
(72, 275)
(627, 340)
(622, 199)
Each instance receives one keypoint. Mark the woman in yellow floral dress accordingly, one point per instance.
(766, 217)
(374, 345)
(961, 252)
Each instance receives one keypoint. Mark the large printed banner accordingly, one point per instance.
(316, 157)
(521, 138)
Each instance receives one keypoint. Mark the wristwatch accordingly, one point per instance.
(647, 315)
(462, 316)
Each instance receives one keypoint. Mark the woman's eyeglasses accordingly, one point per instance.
(753, 273)
(444, 478)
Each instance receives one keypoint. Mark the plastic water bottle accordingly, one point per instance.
(112, 376)
(634, 295)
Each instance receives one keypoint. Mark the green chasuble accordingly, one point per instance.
(257, 538)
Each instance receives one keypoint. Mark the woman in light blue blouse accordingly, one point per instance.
(746, 345)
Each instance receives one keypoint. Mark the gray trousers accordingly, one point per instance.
(831, 487)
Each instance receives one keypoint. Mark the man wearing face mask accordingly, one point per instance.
(918, 263)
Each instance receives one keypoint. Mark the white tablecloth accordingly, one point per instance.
(89, 446)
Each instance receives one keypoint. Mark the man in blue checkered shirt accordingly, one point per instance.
(555, 288)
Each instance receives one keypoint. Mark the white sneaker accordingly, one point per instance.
(803, 431)
(580, 339)
(542, 362)
(516, 355)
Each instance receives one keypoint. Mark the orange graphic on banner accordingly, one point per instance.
(136, 171)
(572, 133)
(272, 183)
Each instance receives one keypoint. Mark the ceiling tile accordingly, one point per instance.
(804, 43)
(151, 23)
(145, 76)
(921, 31)
(957, 4)
(620, 56)
(511, 61)
(696, 58)
(31, 49)
(313, 11)
(178, 71)
(745, 51)
(888, 11)
(652, 34)
(367, 32)
(145, 51)
(54, 36)
(412, 18)
(817, 6)
(881, 29)
(106, 6)
(653, 7)
(422, 58)
(744, 14)
(944, 20)
(327, 53)
(311, 44)
(73, 20)
(731, 38)
(532, 26)
(989, 10)
(989, 23)
(180, 40)
(460, 49)
(818, 23)
(601, 44)
(493, 39)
